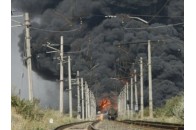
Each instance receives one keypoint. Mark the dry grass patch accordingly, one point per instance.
(19, 123)
(28, 115)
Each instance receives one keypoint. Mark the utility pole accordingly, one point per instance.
(78, 96)
(150, 81)
(28, 55)
(86, 111)
(141, 88)
(131, 97)
(61, 75)
(94, 105)
(70, 88)
(88, 102)
(127, 101)
(118, 105)
(135, 81)
(82, 98)
(93, 109)
(61, 84)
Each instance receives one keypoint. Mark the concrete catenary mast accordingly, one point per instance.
(28, 55)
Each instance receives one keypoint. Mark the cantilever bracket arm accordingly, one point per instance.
(140, 19)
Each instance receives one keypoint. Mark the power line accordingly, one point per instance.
(74, 52)
(159, 10)
(19, 24)
(16, 25)
(105, 16)
(17, 21)
(158, 16)
(62, 16)
(180, 45)
(16, 16)
(139, 42)
(144, 42)
(177, 40)
(55, 31)
(161, 26)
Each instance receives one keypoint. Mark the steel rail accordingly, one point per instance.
(171, 126)
(70, 125)
(90, 127)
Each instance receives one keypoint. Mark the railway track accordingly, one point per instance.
(120, 125)
(161, 125)
(85, 125)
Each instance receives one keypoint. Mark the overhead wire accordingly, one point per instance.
(159, 10)
(63, 17)
(161, 26)
(180, 45)
(104, 16)
(16, 16)
(16, 25)
(55, 31)
(158, 16)
(74, 52)
(17, 21)
(58, 31)
(177, 40)
(19, 24)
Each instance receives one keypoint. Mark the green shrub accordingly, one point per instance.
(29, 110)
(174, 107)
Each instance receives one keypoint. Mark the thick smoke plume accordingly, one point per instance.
(97, 37)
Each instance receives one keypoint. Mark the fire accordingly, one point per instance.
(104, 104)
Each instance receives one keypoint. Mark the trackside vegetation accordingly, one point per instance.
(28, 115)
(171, 112)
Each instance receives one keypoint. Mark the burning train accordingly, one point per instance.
(107, 110)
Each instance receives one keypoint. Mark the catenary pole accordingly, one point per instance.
(92, 106)
(141, 88)
(136, 97)
(28, 56)
(95, 105)
(88, 102)
(150, 81)
(82, 88)
(86, 111)
(70, 88)
(61, 75)
(78, 96)
(131, 97)
(61, 81)
(127, 99)
(118, 105)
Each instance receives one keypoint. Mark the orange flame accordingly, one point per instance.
(104, 104)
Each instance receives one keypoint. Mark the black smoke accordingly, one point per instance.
(98, 37)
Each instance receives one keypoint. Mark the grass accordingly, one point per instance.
(29, 116)
(20, 123)
(171, 112)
